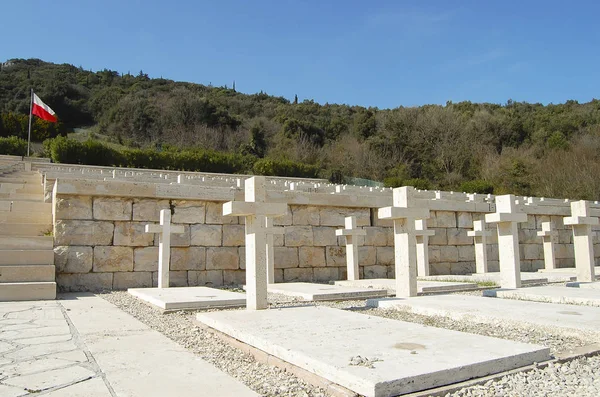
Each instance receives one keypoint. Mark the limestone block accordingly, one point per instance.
(439, 269)
(557, 221)
(383, 222)
(145, 259)
(73, 259)
(279, 275)
(214, 214)
(539, 219)
(189, 211)
(234, 277)
(391, 272)
(84, 282)
(376, 236)
(375, 271)
(466, 253)
(176, 278)
(278, 240)
(124, 280)
(286, 257)
(343, 272)
(564, 251)
(189, 258)
(312, 256)
(493, 266)
(221, 258)
(234, 236)
(114, 209)
(458, 237)
(444, 219)
(531, 223)
(325, 274)
(132, 234)
(305, 215)
(367, 256)
(440, 237)
(465, 220)
(335, 256)
(492, 251)
(389, 231)
(341, 240)
(448, 253)
(529, 236)
(113, 259)
(323, 236)
(210, 278)
(532, 251)
(285, 220)
(434, 254)
(242, 256)
(537, 265)
(71, 232)
(179, 239)
(73, 207)
(298, 274)
(334, 216)
(565, 236)
(207, 235)
(148, 210)
(462, 268)
(565, 262)
(296, 236)
(385, 256)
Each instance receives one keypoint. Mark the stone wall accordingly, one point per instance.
(100, 243)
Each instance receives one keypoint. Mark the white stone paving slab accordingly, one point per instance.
(406, 357)
(567, 270)
(479, 309)
(594, 285)
(189, 297)
(550, 294)
(324, 292)
(423, 287)
(494, 277)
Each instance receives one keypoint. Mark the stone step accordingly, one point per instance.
(25, 217)
(23, 196)
(26, 243)
(30, 206)
(24, 229)
(27, 291)
(33, 180)
(21, 188)
(30, 273)
(26, 257)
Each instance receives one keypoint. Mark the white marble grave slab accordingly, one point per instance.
(576, 284)
(550, 294)
(324, 292)
(494, 277)
(566, 270)
(484, 310)
(423, 287)
(189, 297)
(405, 357)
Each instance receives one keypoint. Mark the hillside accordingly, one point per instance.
(521, 148)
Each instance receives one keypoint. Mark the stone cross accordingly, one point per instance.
(480, 236)
(256, 210)
(404, 214)
(422, 236)
(582, 223)
(164, 230)
(351, 232)
(507, 217)
(548, 235)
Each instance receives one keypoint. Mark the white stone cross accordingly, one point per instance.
(507, 217)
(404, 214)
(164, 230)
(548, 235)
(351, 232)
(480, 236)
(582, 223)
(422, 236)
(270, 232)
(256, 210)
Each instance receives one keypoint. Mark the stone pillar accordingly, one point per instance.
(582, 223)
(351, 232)
(480, 236)
(404, 213)
(548, 235)
(164, 230)
(507, 217)
(422, 236)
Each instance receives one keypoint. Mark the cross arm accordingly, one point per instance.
(350, 232)
(505, 217)
(176, 229)
(478, 233)
(581, 220)
(243, 208)
(424, 233)
(402, 213)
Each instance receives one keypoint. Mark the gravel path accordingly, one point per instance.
(580, 377)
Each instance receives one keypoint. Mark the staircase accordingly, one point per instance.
(26, 245)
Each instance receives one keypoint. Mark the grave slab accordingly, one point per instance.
(494, 277)
(567, 270)
(324, 292)
(550, 294)
(423, 287)
(491, 311)
(372, 356)
(189, 297)
(576, 284)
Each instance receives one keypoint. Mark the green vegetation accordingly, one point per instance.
(13, 146)
(516, 147)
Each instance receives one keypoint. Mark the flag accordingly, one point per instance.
(42, 110)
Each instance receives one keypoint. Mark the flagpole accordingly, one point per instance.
(29, 134)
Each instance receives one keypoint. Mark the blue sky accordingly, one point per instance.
(370, 53)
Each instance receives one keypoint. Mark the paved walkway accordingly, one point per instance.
(85, 346)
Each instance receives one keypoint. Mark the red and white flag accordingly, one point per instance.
(42, 110)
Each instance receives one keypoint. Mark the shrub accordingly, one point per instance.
(477, 186)
(285, 168)
(393, 181)
(418, 183)
(13, 146)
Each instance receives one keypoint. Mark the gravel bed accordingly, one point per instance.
(580, 377)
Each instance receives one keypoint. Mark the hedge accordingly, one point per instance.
(13, 146)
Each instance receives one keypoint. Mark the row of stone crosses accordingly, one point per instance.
(410, 240)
